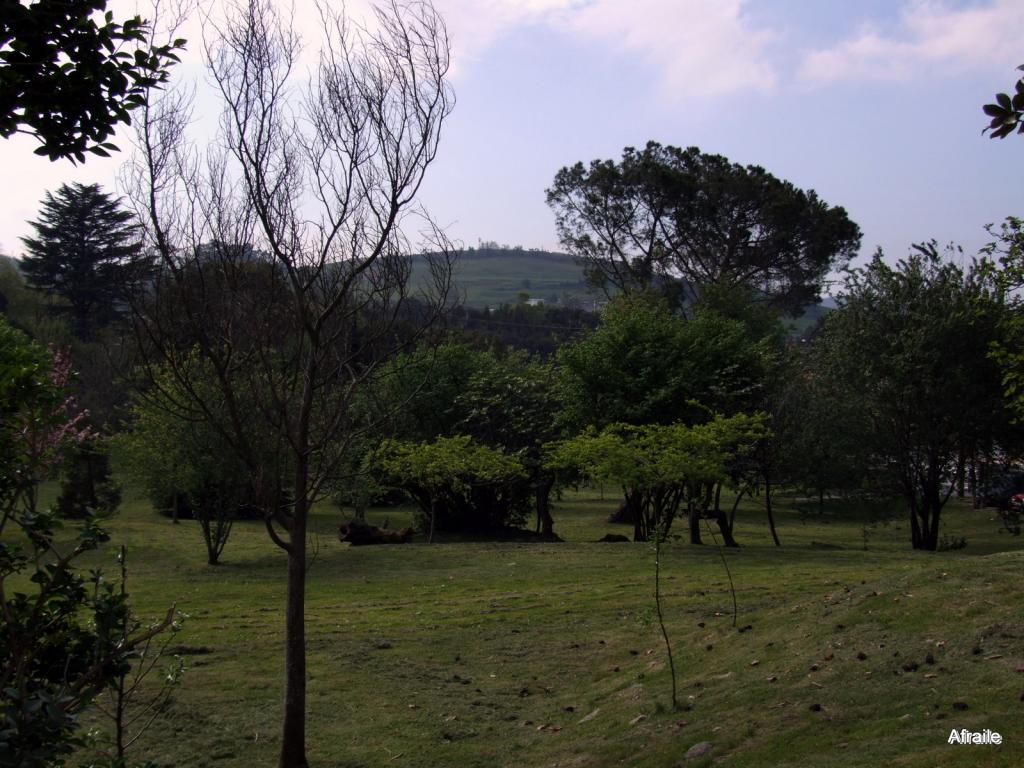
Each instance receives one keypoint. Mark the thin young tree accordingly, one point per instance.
(285, 263)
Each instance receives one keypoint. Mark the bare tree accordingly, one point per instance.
(285, 263)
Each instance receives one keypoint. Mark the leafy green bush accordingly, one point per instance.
(459, 485)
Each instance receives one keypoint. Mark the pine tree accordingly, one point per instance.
(85, 251)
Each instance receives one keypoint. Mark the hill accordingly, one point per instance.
(495, 275)
(491, 276)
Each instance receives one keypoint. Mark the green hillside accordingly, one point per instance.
(488, 277)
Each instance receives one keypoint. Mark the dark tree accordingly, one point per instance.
(1007, 112)
(909, 347)
(502, 401)
(70, 73)
(677, 219)
(86, 486)
(86, 251)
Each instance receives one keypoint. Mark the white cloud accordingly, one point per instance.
(475, 25)
(928, 34)
(694, 47)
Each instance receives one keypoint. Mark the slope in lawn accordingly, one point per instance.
(506, 654)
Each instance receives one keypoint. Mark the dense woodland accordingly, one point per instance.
(195, 337)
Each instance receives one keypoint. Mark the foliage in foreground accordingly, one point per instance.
(60, 644)
(71, 73)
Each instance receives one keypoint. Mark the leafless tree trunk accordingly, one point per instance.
(285, 264)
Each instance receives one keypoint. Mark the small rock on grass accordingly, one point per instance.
(591, 716)
(699, 749)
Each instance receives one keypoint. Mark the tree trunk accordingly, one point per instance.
(768, 508)
(725, 528)
(961, 475)
(544, 520)
(433, 516)
(293, 739)
(634, 506)
(735, 504)
(916, 516)
(931, 542)
(693, 514)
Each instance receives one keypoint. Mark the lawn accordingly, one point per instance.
(547, 654)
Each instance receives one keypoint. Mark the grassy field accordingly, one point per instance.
(530, 654)
(491, 277)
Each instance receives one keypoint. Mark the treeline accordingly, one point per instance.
(481, 416)
(538, 329)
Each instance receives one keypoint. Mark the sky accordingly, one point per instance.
(875, 104)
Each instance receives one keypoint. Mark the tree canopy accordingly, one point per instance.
(660, 467)
(910, 346)
(458, 483)
(645, 365)
(679, 218)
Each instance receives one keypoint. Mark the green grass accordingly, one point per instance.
(492, 654)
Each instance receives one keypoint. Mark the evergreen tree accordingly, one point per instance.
(86, 251)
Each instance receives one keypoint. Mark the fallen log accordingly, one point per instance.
(358, 533)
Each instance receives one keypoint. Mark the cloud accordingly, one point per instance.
(696, 48)
(928, 34)
(475, 25)
(693, 47)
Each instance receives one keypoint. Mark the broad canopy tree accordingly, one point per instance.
(181, 459)
(458, 483)
(676, 219)
(646, 365)
(1006, 261)
(662, 468)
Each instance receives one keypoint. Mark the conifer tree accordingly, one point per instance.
(85, 251)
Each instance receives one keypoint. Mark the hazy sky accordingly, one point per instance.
(876, 104)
